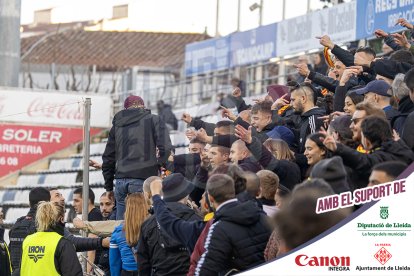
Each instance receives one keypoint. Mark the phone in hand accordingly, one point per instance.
(276, 91)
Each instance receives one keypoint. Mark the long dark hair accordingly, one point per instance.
(318, 138)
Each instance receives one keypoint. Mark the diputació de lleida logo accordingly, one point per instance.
(384, 212)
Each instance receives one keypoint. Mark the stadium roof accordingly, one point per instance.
(108, 50)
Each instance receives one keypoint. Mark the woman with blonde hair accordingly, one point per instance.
(125, 236)
(47, 252)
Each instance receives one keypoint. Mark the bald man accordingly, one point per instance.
(240, 155)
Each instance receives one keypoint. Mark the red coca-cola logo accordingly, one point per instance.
(68, 110)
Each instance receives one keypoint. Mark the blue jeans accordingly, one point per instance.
(123, 187)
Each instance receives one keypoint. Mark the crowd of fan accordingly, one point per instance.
(246, 192)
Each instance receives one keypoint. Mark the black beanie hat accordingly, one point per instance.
(332, 170)
(38, 194)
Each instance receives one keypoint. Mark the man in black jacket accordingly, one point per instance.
(303, 102)
(165, 112)
(130, 154)
(237, 238)
(158, 253)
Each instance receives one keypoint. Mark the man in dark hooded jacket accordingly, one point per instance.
(131, 151)
(166, 114)
(238, 236)
(159, 253)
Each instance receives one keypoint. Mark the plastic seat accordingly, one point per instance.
(9, 195)
(13, 214)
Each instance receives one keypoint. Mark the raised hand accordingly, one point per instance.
(403, 22)
(202, 135)
(190, 133)
(302, 69)
(244, 134)
(282, 101)
(401, 40)
(326, 41)
(226, 113)
(395, 135)
(348, 73)
(380, 33)
(186, 118)
(329, 142)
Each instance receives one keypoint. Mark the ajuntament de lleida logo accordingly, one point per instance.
(384, 212)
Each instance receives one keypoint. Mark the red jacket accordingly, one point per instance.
(199, 248)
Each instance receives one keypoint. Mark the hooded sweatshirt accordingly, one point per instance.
(236, 240)
(131, 148)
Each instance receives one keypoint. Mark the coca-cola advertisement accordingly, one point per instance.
(64, 109)
(22, 145)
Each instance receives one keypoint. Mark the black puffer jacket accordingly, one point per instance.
(236, 240)
(158, 253)
(131, 148)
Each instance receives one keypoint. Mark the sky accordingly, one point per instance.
(171, 15)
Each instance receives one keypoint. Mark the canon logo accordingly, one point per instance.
(59, 110)
(304, 260)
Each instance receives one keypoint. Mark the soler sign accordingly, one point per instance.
(21, 145)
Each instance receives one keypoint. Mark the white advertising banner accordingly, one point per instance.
(377, 239)
(18, 106)
(298, 34)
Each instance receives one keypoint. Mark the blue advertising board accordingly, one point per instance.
(382, 14)
(233, 50)
(253, 46)
(206, 56)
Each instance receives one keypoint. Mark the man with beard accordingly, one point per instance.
(303, 102)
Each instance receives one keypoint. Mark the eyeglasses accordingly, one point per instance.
(356, 120)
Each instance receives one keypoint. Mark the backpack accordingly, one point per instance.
(169, 243)
(23, 227)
